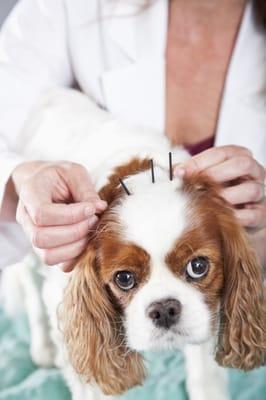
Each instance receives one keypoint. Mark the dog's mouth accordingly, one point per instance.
(170, 334)
(167, 340)
(175, 337)
(169, 337)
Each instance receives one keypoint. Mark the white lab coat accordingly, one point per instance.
(116, 55)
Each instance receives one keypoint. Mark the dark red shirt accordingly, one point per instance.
(200, 146)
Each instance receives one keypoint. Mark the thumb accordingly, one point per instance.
(82, 188)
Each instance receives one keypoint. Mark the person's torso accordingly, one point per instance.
(118, 57)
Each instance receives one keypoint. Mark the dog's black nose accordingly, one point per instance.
(164, 313)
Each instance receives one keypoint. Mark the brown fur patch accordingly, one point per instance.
(112, 189)
(242, 335)
(124, 257)
(94, 331)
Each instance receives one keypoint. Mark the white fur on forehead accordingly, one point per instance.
(153, 216)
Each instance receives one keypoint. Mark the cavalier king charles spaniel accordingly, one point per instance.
(168, 267)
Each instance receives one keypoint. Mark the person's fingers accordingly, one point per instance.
(209, 158)
(245, 192)
(62, 254)
(54, 236)
(58, 214)
(46, 197)
(25, 221)
(81, 186)
(100, 205)
(236, 167)
(253, 217)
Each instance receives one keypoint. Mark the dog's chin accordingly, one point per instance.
(167, 340)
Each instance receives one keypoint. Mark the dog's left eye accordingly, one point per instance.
(198, 267)
(125, 280)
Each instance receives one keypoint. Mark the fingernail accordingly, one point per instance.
(101, 204)
(89, 210)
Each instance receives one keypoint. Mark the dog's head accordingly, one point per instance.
(168, 265)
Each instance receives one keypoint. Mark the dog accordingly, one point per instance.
(168, 266)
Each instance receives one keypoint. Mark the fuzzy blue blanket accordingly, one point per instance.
(20, 379)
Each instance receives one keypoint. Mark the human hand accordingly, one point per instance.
(241, 176)
(56, 208)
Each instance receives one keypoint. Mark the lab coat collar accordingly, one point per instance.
(134, 85)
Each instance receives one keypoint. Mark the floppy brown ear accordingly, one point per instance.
(242, 328)
(93, 332)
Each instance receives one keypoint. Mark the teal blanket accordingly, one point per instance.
(20, 379)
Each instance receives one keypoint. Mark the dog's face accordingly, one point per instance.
(167, 266)
(162, 262)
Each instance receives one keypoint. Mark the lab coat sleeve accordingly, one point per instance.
(33, 57)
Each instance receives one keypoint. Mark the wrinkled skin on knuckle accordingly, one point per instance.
(35, 237)
(38, 216)
(252, 218)
(262, 173)
(39, 239)
(246, 164)
(256, 192)
(78, 233)
(71, 215)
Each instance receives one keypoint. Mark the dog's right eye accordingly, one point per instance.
(125, 280)
(198, 267)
